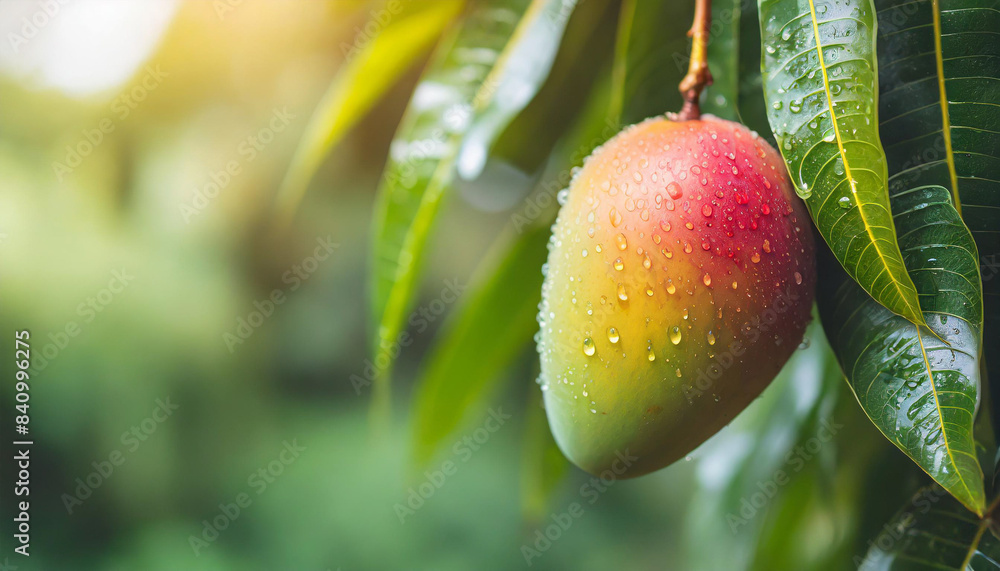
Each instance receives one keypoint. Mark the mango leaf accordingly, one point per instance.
(934, 532)
(368, 72)
(480, 340)
(515, 80)
(939, 108)
(722, 97)
(652, 53)
(482, 60)
(737, 91)
(753, 111)
(921, 389)
(582, 65)
(821, 89)
(626, 19)
(651, 57)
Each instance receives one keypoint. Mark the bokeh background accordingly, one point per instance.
(127, 244)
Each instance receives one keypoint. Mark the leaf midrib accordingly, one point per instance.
(895, 441)
(843, 157)
(940, 414)
(943, 94)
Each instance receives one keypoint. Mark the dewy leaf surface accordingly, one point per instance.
(921, 389)
(821, 88)
(482, 59)
(939, 108)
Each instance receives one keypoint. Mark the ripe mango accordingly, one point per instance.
(680, 279)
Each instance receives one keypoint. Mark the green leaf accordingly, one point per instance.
(753, 110)
(722, 97)
(480, 340)
(515, 80)
(652, 53)
(737, 91)
(651, 57)
(939, 65)
(921, 388)
(934, 532)
(939, 108)
(365, 77)
(582, 65)
(821, 89)
(483, 60)
(623, 39)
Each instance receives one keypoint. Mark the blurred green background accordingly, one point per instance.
(183, 91)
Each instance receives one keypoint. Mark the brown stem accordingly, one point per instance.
(992, 507)
(698, 75)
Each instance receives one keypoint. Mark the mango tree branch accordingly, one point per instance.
(698, 75)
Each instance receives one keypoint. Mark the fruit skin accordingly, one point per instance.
(696, 225)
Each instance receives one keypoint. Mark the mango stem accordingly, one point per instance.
(698, 75)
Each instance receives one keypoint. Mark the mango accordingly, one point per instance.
(680, 279)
